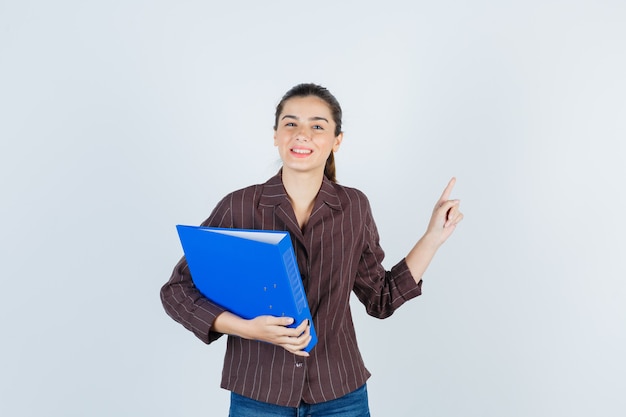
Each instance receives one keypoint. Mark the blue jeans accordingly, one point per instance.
(353, 404)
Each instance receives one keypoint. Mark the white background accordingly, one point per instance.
(120, 119)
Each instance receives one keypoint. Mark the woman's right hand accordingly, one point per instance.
(268, 329)
(274, 330)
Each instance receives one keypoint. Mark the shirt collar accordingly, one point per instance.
(274, 193)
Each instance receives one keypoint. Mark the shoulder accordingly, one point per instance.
(254, 192)
(244, 197)
(245, 193)
(351, 197)
(233, 205)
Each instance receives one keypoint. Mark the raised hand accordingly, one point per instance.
(446, 215)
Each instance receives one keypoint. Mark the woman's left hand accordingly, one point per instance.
(446, 215)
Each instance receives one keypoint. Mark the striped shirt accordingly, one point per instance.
(337, 252)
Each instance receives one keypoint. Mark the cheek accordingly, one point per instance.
(278, 139)
(281, 143)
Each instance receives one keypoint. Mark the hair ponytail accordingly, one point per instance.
(329, 169)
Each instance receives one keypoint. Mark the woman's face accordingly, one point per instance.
(305, 134)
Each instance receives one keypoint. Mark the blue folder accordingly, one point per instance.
(247, 272)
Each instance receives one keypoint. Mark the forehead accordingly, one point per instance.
(309, 106)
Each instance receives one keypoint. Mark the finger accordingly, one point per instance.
(279, 321)
(453, 208)
(299, 342)
(302, 335)
(446, 193)
(454, 218)
(302, 327)
(458, 218)
(453, 213)
(296, 344)
(445, 207)
(307, 330)
(301, 353)
(302, 342)
(302, 330)
(298, 350)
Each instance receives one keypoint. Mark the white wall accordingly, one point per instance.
(119, 119)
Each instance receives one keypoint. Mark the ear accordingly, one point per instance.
(275, 141)
(338, 140)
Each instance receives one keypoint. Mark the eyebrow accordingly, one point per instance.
(314, 118)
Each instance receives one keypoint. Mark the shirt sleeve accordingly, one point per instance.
(381, 291)
(183, 302)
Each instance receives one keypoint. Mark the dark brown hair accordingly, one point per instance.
(309, 89)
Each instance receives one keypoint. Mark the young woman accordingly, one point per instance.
(337, 249)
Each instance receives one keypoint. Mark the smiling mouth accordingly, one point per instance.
(302, 151)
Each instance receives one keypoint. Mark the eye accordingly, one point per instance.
(290, 124)
(318, 127)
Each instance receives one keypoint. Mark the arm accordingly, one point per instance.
(186, 305)
(208, 321)
(382, 292)
(379, 290)
(445, 217)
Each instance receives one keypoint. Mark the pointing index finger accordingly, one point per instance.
(446, 193)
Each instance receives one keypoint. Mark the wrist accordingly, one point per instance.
(231, 324)
(429, 241)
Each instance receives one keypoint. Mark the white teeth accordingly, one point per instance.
(301, 151)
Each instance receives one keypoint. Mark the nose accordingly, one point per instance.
(303, 134)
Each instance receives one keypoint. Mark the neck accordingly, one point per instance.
(302, 188)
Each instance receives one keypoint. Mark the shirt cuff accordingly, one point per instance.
(405, 281)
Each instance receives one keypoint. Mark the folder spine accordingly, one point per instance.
(294, 279)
